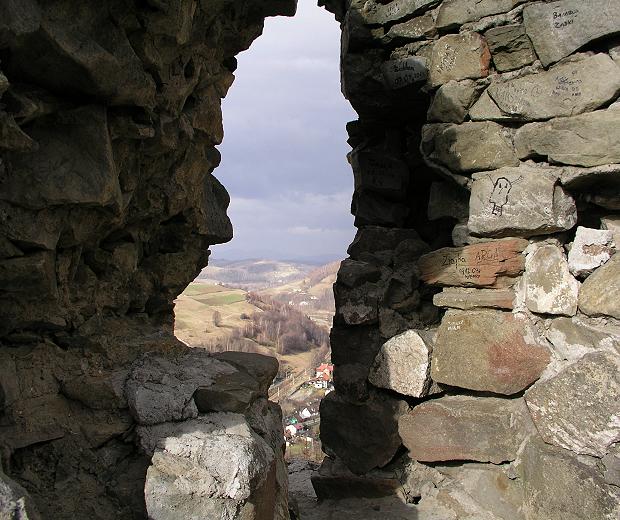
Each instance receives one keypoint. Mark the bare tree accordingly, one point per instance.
(217, 319)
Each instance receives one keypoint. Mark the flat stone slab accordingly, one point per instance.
(574, 338)
(376, 13)
(549, 286)
(600, 293)
(476, 265)
(558, 29)
(584, 140)
(579, 409)
(591, 249)
(466, 298)
(454, 13)
(487, 350)
(457, 57)
(524, 201)
(567, 89)
(404, 72)
(469, 147)
(403, 365)
(485, 429)
(380, 173)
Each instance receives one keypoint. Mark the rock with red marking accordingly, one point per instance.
(488, 350)
(465, 428)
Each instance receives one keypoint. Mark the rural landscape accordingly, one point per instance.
(275, 308)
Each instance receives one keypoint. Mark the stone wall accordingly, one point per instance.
(477, 337)
(109, 118)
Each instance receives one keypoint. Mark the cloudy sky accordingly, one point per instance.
(283, 156)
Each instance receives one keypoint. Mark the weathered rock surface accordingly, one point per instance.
(579, 409)
(417, 28)
(600, 293)
(584, 140)
(469, 147)
(549, 286)
(465, 428)
(379, 13)
(15, 503)
(559, 487)
(467, 298)
(452, 101)
(373, 442)
(612, 223)
(487, 264)
(591, 249)
(458, 57)
(567, 89)
(488, 351)
(453, 13)
(380, 173)
(510, 47)
(557, 29)
(447, 200)
(573, 338)
(524, 201)
(403, 364)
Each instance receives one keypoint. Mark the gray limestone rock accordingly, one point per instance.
(549, 286)
(468, 147)
(383, 13)
(418, 28)
(591, 249)
(612, 223)
(600, 293)
(468, 298)
(161, 389)
(15, 502)
(579, 408)
(227, 393)
(403, 365)
(485, 429)
(568, 89)
(453, 13)
(557, 29)
(611, 461)
(452, 101)
(510, 47)
(559, 487)
(574, 338)
(363, 435)
(458, 57)
(583, 140)
(524, 201)
(489, 351)
(261, 368)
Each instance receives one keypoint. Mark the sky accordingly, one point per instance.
(284, 150)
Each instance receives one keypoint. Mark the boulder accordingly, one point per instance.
(612, 223)
(600, 293)
(558, 29)
(510, 47)
(452, 101)
(457, 57)
(485, 429)
(573, 338)
(591, 249)
(227, 393)
(467, 298)
(468, 147)
(583, 140)
(403, 364)
(549, 286)
(160, 389)
(363, 435)
(487, 264)
(559, 487)
(524, 201)
(261, 368)
(454, 13)
(353, 273)
(358, 305)
(567, 89)
(489, 351)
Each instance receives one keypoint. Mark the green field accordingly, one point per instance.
(222, 299)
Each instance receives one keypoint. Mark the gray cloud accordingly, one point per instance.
(283, 156)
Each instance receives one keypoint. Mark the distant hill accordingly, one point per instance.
(254, 274)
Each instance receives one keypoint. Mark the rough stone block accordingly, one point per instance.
(403, 364)
(485, 429)
(487, 350)
(591, 249)
(510, 47)
(380, 173)
(557, 29)
(454, 13)
(549, 286)
(466, 298)
(447, 200)
(523, 201)
(452, 101)
(612, 223)
(600, 293)
(458, 57)
(469, 147)
(583, 140)
(574, 338)
(579, 409)
(381, 13)
(477, 265)
(418, 28)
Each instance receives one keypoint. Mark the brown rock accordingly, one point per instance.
(486, 350)
(457, 57)
(466, 298)
(465, 428)
(600, 293)
(476, 265)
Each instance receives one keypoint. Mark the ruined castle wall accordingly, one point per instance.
(476, 340)
(109, 118)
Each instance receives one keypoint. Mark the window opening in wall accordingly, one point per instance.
(269, 290)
